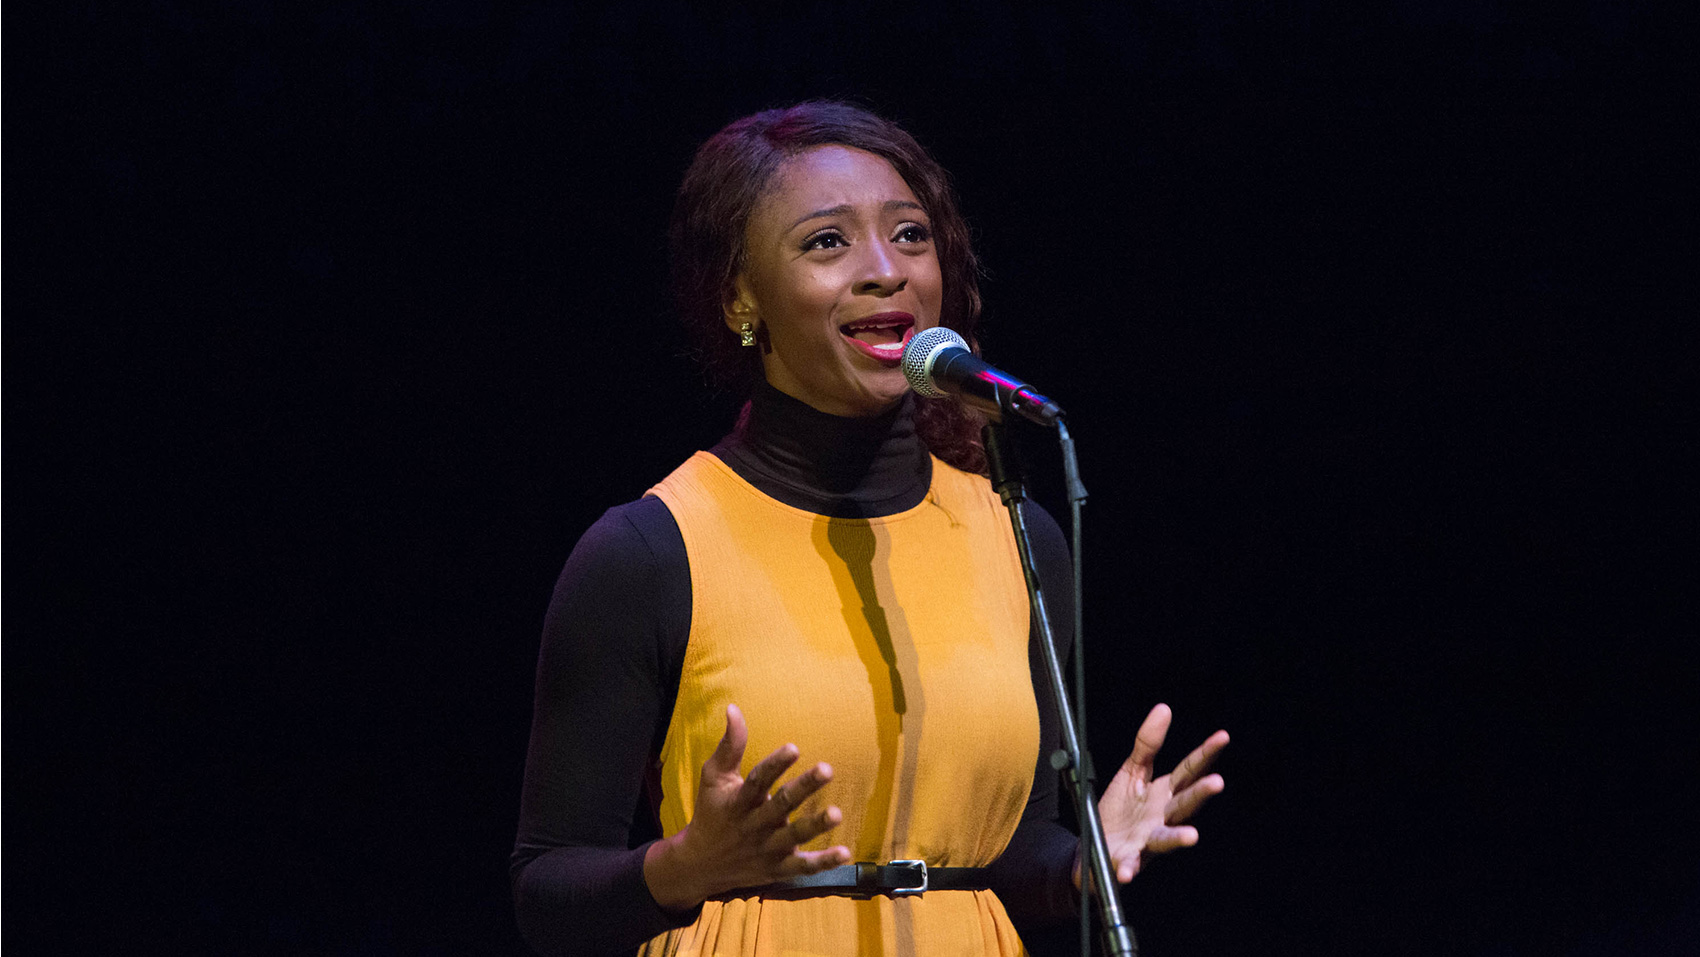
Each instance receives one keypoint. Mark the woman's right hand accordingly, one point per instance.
(741, 835)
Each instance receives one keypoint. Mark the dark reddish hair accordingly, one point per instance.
(729, 177)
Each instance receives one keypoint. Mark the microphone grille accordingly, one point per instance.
(918, 358)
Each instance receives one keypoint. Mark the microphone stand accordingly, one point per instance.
(1096, 878)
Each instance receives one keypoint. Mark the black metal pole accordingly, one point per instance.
(1118, 936)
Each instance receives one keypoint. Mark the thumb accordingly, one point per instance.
(729, 753)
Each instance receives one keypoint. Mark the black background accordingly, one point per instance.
(330, 326)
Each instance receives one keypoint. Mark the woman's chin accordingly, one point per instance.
(865, 405)
(862, 393)
(885, 393)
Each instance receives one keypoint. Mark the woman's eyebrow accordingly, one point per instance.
(838, 210)
(843, 208)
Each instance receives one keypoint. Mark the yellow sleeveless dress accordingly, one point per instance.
(894, 649)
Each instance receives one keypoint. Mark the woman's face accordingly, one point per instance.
(839, 273)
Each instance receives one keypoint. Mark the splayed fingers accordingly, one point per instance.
(744, 831)
(1144, 815)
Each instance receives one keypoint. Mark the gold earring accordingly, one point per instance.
(746, 335)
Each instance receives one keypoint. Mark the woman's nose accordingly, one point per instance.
(882, 270)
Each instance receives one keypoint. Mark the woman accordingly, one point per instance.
(834, 579)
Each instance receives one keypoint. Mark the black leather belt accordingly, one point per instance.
(893, 878)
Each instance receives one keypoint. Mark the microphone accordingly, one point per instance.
(937, 362)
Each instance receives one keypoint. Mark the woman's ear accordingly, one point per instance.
(739, 306)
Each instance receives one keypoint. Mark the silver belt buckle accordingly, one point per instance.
(910, 891)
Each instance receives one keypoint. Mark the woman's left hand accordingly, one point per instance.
(1143, 816)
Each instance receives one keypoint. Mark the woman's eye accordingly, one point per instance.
(824, 241)
(913, 233)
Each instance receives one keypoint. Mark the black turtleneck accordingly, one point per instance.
(828, 464)
(608, 673)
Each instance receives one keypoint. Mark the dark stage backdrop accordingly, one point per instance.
(330, 326)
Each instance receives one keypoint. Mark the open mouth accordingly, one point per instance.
(882, 336)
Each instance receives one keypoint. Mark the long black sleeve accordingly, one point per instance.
(613, 640)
